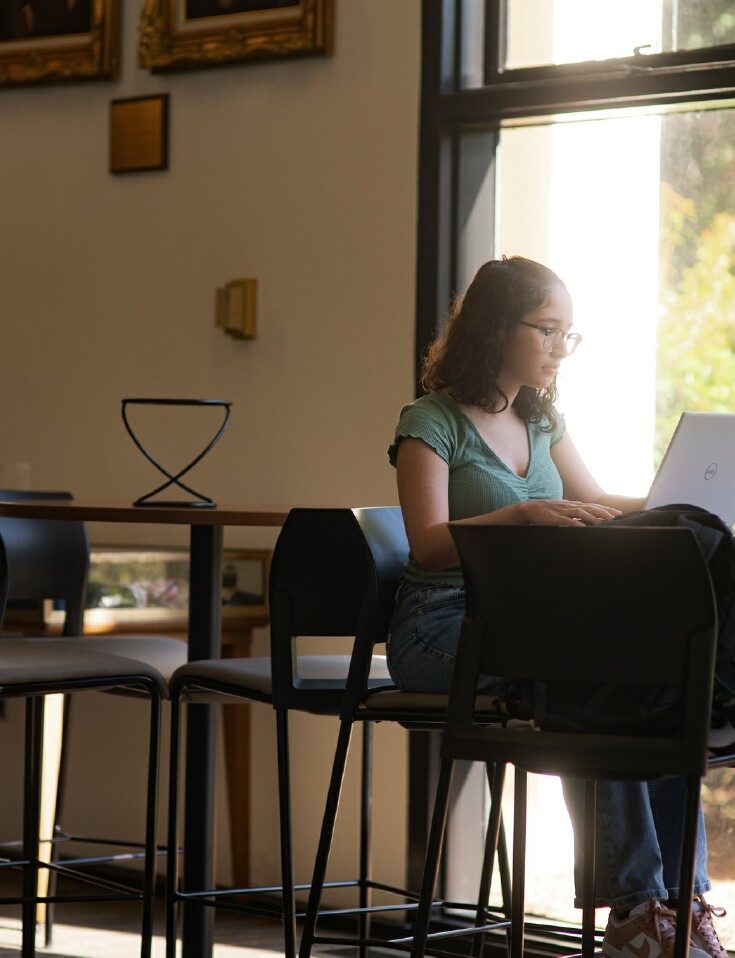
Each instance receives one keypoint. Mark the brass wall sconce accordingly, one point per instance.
(236, 308)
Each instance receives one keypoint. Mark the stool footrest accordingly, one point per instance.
(457, 932)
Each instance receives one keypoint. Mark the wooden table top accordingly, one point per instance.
(267, 514)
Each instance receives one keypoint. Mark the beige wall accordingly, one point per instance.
(301, 173)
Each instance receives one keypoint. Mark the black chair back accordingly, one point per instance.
(386, 545)
(3, 581)
(319, 564)
(46, 559)
(333, 573)
(631, 606)
(385, 539)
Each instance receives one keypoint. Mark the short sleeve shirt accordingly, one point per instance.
(479, 481)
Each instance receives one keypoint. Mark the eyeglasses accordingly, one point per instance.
(555, 338)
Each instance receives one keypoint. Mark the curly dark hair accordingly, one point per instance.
(466, 357)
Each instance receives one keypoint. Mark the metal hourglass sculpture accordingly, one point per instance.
(201, 501)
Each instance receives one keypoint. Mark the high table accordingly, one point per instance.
(205, 582)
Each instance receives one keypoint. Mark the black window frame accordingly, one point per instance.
(448, 111)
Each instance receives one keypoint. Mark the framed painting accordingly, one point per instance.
(57, 40)
(179, 34)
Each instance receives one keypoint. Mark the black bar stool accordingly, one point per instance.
(32, 669)
(50, 560)
(316, 589)
(384, 550)
(604, 597)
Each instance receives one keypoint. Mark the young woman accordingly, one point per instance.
(485, 444)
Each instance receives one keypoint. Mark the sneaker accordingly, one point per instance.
(721, 735)
(723, 701)
(649, 931)
(704, 935)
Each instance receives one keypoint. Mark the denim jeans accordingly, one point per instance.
(639, 824)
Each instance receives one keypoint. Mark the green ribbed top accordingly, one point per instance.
(479, 481)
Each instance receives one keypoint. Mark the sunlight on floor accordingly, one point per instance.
(71, 941)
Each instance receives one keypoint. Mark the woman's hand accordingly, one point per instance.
(564, 512)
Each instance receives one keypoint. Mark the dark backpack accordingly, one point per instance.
(603, 706)
(716, 540)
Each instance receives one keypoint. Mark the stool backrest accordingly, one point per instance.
(386, 543)
(3, 580)
(333, 573)
(612, 604)
(47, 559)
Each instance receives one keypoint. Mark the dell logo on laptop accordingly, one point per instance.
(710, 471)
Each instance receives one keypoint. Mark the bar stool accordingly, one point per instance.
(50, 560)
(316, 589)
(380, 541)
(603, 597)
(32, 669)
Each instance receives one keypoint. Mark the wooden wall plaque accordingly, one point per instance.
(139, 134)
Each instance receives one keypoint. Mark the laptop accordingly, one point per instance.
(699, 465)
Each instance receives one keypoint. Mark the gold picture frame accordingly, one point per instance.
(180, 34)
(79, 40)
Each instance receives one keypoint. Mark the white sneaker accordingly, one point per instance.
(704, 935)
(721, 739)
(649, 931)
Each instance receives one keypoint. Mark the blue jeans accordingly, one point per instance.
(424, 633)
(639, 824)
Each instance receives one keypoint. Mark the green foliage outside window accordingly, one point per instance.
(696, 371)
(696, 333)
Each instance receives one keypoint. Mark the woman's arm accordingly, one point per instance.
(423, 484)
(579, 483)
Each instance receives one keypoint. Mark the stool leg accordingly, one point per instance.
(688, 856)
(433, 857)
(519, 864)
(58, 812)
(504, 869)
(284, 806)
(149, 878)
(325, 838)
(31, 810)
(496, 780)
(588, 870)
(172, 850)
(366, 796)
(505, 882)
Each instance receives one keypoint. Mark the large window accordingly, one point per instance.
(598, 138)
(637, 214)
(542, 32)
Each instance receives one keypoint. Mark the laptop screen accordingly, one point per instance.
(699, 465)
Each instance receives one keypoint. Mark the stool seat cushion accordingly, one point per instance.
(164, 654)
(254, 675)
(51, 662)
